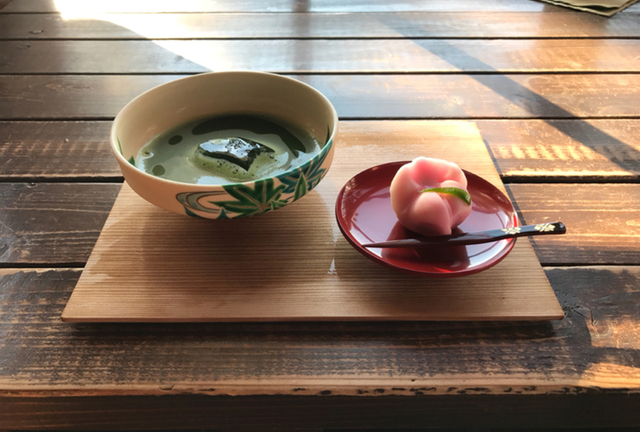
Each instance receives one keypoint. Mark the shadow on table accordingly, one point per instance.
(521, 96)
(596, 339)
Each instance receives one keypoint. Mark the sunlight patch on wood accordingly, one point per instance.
(81, 9)
(566, 173)
(607, 375)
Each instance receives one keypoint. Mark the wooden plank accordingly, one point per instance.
(52, 223)
(594, 411)
(565, 150)
(603, 221)
(4, 3)
(592, 349)
(354, 96)
(84, 96)
(192, 6)
(60, 222)
(523, 150)
(508, 25)
(321, 56)
(31, 151)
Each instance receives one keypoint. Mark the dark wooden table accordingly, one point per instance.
(556, 96)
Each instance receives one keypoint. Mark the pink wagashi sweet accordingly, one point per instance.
(430, 213)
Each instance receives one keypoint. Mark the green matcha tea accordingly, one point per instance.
(227, 149)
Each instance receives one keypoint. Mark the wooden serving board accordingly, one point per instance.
(150, 265)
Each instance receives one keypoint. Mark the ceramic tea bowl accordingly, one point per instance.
(219, 94)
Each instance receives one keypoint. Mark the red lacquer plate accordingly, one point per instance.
(364, 214)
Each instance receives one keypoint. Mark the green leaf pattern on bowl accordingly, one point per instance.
(262, 195)
(131, 160)
(312, 172)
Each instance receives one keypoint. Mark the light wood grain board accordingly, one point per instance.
(293, 264)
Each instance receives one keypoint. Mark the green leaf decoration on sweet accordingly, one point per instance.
(223, 215)
(132, 161)
(460, 193)
(312, 172)
(264, 196)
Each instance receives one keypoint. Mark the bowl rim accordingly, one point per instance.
(115, 143)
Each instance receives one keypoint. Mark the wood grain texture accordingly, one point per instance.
(308, 413)
(507, 25)
(593, 350)
(320, 56)
(192, 6)
(603, 221)
(51, 223)
(4, 3)
(523, 150)
(140, 271)
(354, 96)
(297, 273)
(564, 150)
(56, 150)
(582, 371)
